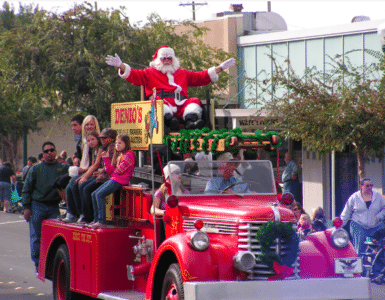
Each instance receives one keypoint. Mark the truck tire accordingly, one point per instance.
(62, 275)
(172, 288)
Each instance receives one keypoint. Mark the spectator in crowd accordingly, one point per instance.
(40, 198)
(30, 162)
(74, 201)
(304, 225)
(366, 210)
(290, 178)
(6, 177)
(76, 125)
(120, 169)
(318, 220)
(63, 155)
(40, 157)
(297, 209)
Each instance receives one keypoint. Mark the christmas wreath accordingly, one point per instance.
(267, 235)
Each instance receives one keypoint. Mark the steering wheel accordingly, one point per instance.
(248, 183)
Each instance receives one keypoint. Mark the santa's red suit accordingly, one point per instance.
(171, 84)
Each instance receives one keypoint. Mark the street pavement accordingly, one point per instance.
(18, 280)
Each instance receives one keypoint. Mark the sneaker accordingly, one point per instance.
(70, 218)
(81, 220)
(96, 225)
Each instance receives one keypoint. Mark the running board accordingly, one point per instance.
(122, 295)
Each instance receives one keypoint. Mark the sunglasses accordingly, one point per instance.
(49, 150)
(368, 185)
(165, 58)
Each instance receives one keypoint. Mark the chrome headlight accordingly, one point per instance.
(244, 261)
(340, 238)
(200, 241)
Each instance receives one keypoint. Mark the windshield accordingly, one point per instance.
(224, 177)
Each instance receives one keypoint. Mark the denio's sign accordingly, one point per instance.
(133, 119)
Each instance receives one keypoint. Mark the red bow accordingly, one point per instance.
(282, 271)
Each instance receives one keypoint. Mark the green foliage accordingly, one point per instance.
(267, 236)
(54, 64)
(330, 110)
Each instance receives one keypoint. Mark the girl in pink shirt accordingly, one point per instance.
(120, 170)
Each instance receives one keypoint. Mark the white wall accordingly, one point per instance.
(315, 181)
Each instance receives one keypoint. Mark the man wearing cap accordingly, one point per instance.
(165, 75)
(225, 178)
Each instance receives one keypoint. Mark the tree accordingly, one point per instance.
(330, 110)
(54, 64)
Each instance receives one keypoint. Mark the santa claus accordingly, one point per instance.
(165, 75)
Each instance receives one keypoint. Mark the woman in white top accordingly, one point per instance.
(366, 210)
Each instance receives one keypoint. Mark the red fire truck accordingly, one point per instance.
(206, 246)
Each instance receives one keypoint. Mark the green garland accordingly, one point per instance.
(267, 235)
(183, 140)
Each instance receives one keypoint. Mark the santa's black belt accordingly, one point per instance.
(176, 96)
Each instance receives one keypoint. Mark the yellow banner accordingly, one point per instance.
(133, 119)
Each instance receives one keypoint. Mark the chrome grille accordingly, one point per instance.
(212, 225)
(247, 241)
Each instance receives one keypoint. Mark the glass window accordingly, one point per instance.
(333, 47)
(372, 44)
(264, 66)
(353, 48)
(297, 57)
(250, 71)
(315, 54)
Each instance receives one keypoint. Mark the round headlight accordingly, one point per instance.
(200, 241)
(244, 261)
(340, 238)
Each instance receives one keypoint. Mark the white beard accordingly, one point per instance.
(171, 69)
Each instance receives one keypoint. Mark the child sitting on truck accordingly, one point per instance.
(120, 169)
(160, 196)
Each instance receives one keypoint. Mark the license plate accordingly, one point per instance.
(348, 266)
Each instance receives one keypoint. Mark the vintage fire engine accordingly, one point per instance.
(205, 246)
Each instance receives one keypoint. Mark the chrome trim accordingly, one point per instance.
(211, 225)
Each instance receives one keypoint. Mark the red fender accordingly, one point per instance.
(213, 264)
(317, 254)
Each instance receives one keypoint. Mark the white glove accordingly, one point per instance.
(113, 61)
(228, 64)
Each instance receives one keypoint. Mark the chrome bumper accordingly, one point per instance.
(301, 289)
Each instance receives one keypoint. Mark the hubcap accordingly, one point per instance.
(172, 293)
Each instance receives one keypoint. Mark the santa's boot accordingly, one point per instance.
(167, 119)
(191, 121)
(174, 124)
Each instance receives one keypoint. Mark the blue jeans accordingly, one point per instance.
(99, 201)
(74, 203)
(86, 189)
(360, 234)
(5, 191)
(39, 211)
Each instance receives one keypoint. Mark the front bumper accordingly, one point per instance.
(301, 289)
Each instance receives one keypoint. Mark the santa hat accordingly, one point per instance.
(164, 51)
(169, 169)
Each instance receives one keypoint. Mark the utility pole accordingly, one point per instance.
(193, 6)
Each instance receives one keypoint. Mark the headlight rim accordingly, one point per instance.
(333, 236)
(194, 236)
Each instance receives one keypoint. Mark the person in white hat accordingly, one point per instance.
(165, 74)
(161, 195)
(225, 179)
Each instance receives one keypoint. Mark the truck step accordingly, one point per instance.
(121, 295)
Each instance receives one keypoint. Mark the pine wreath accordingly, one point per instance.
(267, 235)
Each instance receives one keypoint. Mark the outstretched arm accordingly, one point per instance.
(225, 65)
(115, 61)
